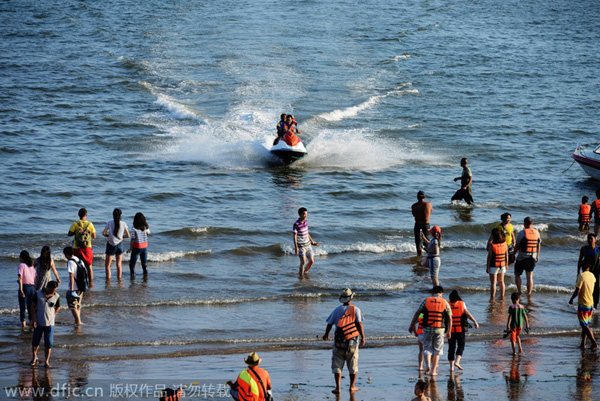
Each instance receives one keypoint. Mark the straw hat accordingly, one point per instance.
(253, 359)
(347, 296)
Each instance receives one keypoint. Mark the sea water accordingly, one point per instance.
(169, 108)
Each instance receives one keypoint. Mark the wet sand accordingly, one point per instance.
(551, 367)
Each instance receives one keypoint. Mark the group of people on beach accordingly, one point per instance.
(38, 297)
(434, 320)
(503, 249)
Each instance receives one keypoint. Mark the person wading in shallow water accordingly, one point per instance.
(528, 245)
(584, 289)
(421, 210)
(466, 181)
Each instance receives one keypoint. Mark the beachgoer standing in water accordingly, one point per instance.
(43, 265)
(456, 343)
(74, 294)
(528, 245)
(497, 262)
(26, 276)
(585, 214)
(139, 243)
(437, 319)
(253, 383)
(517, 317)
(591, 253)
(506, 228)
(347, 319)
(466, 180)
(46, 304)
(433, 253)
(421, 210)
(115, 230)
(303, 242)
(584, 289)
(84, 232)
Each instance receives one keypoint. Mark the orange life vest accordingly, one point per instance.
(498, 255)
(420, 325)
(597, 207)
(434, 311)
(458, 310)
(584, 213)
(530, 244)
(347, 323)
(250, 388)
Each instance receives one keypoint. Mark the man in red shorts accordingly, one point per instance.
(83, 231)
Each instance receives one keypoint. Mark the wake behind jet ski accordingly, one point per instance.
(287, 146)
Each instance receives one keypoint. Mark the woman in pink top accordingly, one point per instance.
(26, 279)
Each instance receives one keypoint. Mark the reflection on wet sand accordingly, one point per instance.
(455, 391)
(585, 373)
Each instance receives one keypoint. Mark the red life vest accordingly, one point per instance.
(498, 255)
(530, 244)
(458, 310)
(347, 323)
(434, 311)
(584, 213)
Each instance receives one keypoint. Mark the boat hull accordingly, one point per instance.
(589, 162)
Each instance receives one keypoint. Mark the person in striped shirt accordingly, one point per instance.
(303, 242)
(139, 243)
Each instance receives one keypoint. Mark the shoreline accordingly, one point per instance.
(551, 366)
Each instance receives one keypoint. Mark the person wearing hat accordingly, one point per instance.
(433, 253)
(253, 383)
(421, 210)
(437, 320)
(349, 333)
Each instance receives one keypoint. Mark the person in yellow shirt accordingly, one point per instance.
(507, 229)
(84, 232)
(584, 288)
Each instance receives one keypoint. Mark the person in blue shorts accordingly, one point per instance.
(46, 304)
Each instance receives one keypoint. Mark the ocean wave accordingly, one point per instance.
(545, 288)
(176, 109)
(464, 244)
(338, 115)
(353, 111)
(540, 227)
(363, 287)
(208, 301)
(356, 247)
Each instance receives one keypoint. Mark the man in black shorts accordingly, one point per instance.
(528, 245)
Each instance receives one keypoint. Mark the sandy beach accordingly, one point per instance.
(552, 367)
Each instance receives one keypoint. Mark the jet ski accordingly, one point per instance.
(289, 148)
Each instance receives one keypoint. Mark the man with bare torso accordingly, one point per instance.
(421, 210)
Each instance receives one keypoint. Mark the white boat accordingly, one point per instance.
(288, 151)
(589, 160)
